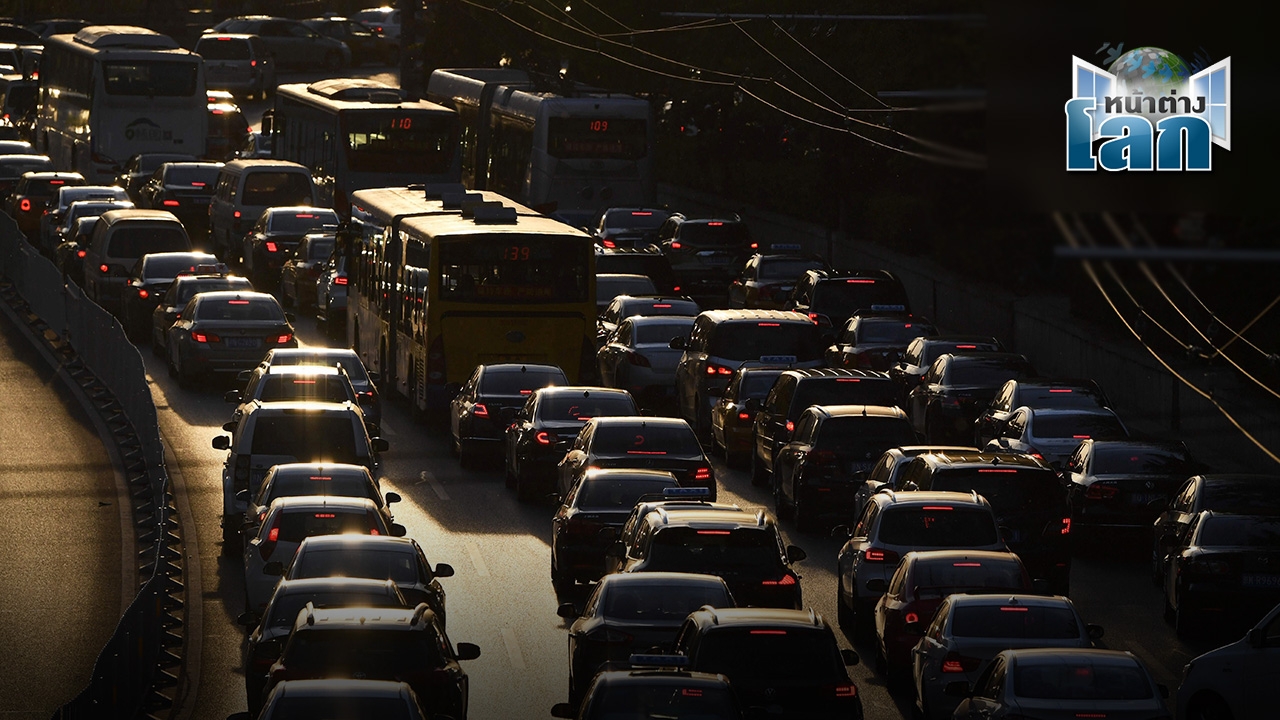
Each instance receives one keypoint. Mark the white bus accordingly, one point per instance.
(112, 91)
(355, 134)
(569, 154)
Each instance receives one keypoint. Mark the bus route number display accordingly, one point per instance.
(515, 253)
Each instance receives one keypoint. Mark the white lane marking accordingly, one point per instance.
(473, 551)
(513, 648)
(435, 485)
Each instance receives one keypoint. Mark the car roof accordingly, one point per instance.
(842, 411)
(929, 556)
(983, 460)
(289, 503)
(594, 474)
(989, 599)
(312, 350)
(363, 617)
(583, 390)
(744, 315)
(1068, 412)
(613, 580)
(514, 368)
(323, 469)
(305, 370)
(915, 450)
(235, 295)
(803, 374)
(643, 320)
(363, 543)
(634, 420)
(697, 517)
(660, 676)
(1063, 655)
(917, 498)
(139, 214)
(294, 407)
(342, 689)
(332, 583)
(986, 356)
(760, 617)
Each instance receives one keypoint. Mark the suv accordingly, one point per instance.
(239, 63)
(721, 341)
(1027, 497)
(244, 189)
(273, 433)
(795, 390)
(743, 547)
(788, 660)
(705, 253)
(119, 239)
(31, 197)
(379, 644)
(831, 297)
(892, 525)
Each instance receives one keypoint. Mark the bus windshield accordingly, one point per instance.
(399, 142)
(515, 269)
(150, 78)
(607, 138)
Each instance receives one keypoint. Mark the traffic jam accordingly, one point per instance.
(765, 486)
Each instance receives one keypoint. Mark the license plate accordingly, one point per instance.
(713, 260)
(779, 359)
(243, 342)
(860, 466)
(1144, 498)
(1260, 581)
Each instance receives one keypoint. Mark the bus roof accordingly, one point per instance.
(383, 204)
(354, 94)
(447, 224)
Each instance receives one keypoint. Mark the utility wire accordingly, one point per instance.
(832, 69)
(1088, 268)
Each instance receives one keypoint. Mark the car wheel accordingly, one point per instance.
(333, 60)
(1209, 707)
(759, 475)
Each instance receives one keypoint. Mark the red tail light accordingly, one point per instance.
(609, 243)
(205, 337)
(143, 294)
(340, 280)
(104, 269)
(675, 245)
(791, 426)
(1066, 526)
(1101, 491)
(81, 253)
(545, 438)
(846, 691)
(171, 203)
(481, 411)
(785, 581)
(714, 369)
(282, 339)
(25, 205)
(822, 457)
(702, 473)
(272, 247)
(744, 416)
(253, 63)
(911, 617)
(954, 662)
(878, 555)
(266, 547)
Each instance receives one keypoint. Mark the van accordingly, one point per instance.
(247, 187)
(239, 63)
(119, 238)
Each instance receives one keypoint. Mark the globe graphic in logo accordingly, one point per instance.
(1151, 72)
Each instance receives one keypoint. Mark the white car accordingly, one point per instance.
(1051, 435)
(1236, 680)
(382, 20)
(638, 356)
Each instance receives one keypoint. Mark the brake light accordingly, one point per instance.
(1101, 491)
(997, 470)
(702, 473)
(644, 452)
(675, 288)
(1080, 437)
(768, 632)
(878, 555)
(81, 253)
(713, 532)
(966, 347)
(791, 426)
(272, 247)
(608, 243)
(691, 692)
(675, 245)
(954, 662)
(755, 246)
(848, 379)
(936, 508)
(282, 339)
(320, 477)
(1066, 526)
(662, 305)
(526, 392)
(205, 337)
(268, 546)
(966, 564)
(744, 416)
(714, 369)
(253, 63)
(104, 269)
(1060, 390)
(235, 214)
(786, 581)
(861, 281)
(640, 213)
(57, 182)
(768, 324)
(911, 617)
(171, 203)
(305, 382)
(847, 691)
(481, 411)
(545, 438)
(305, 216)
(326, 515)
(25, 205)
(143, 294)
(340, 280)
(237, 302)
(1013, 609)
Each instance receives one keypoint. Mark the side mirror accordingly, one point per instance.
(617, 550)
(275, 567)
(559, 710)
(1094, 631)
(795, 553)
(913, 628)
(229, 426)
(248, 619)
(393, 497)
(290, 317)
(959, 689)
(1163, 690)
(467, 651)
(379, 444)
(841, 532)
(677, 343)
(398, 530)
(243, 375)
(375, 377)
(567, 611)
(443, 570)
(222, 442)
(850, 657)
(877, 585)
(242, 496)
(231, 396)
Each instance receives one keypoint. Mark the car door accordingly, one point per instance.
(840, 353)
(992, 420)
(1170, 524)
(1261, 673)
(614, 353)
(988, 690)
(921, 396)
(689, 367)
(463, 402)
(793, 453)
(738, 289)
(574, 460)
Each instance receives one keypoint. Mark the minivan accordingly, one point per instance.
(239, 63)
(121, 237)
(247, 187)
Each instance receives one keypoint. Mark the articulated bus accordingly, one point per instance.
(356, 134)
(112, 91)
(570, 155)
(446, 280)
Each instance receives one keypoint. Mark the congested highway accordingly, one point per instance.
(502, 597)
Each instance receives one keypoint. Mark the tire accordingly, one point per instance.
(333, 60)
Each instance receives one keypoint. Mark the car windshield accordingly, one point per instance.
(306, 437)
(988, 373)
(618, 494)
(328, 388)
(299, 223)
(892, 332)
(240, 310)
(859, 435)
(324, 483)
(576, 407)
(223, 48)
(661, 333)
(645, 439)
(376, 653)
(348, 360)
(1077, 679)
(661, 601)
(687, 549)
(750, 341)
(1007, 489)
(516, 382)
(272, 188)
(284, 610)
(296, 524)
(1082, 426)
(320, 249)
(844, 297)
(347, 708)
(939, 578)
(1016, 622)
(650, 701)
(135, 240)
(1240, 531)
(940, 526)
(792, 655)
(788, 269)
(843, 391)
(1117, 459)
(373, 563)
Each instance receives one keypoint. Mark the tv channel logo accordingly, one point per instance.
(1149, 112)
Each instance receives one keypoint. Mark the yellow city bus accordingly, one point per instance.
(445, 280)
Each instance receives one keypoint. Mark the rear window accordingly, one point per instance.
(1141, 460)
(662, 333)
(662, 601)
(757, 385)
(618, 494)
(167, 267)
(608, 288)
(1069, 678)
(747, 341)
(14, 169)
(273, 187)
(1009, 490)
(348, 708)
(715, 233)
(380, 564)
(1059, 397)
(329, 388)
(894, 332)
(937, 350)
(787, 269)
(349, 362)
(135, 240)
(293, 485)
(186, 291)
(991, 373)
(1015, 622)
(306, 437)
(577, 407)
(659, 307)
(653, 439)
(844, 297)
(512, 383)
(223, 49)
(1241, 496)
(284, 611)
(298, 524)
(301, 222)
(373, 652)
(634, 219)
(253, 309)
(1240, 531)
(771, 655)
(842, 391)
(1080, 427)
(941, 526)
(860, 435)
(192, 177)
(686, 549)
(939, 578)
(45, 188)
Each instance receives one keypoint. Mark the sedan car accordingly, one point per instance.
(1124, 483)
(638, 357)
(149, 281)
(1035, 393)
(625, 306)
(955, 390)
(277, 234)
(732, 423)
(637, 442)
(767, 279)
(67, 226)
(1225, 571)
(331, 296)
(301, 272)
(922, 351)
(630, 613)
(968, 630)
(68, 257)
(64, 196)
(1064, 682)
(542, 431)
(290, 42)
(629, 227)
(32, 195)
(1214, 686)
(180, 291)
(139, 169)
(366, 45)
(874, 341)
(330, 479)
(364, 381)
(13, 167)
(1052, 435)
(225, 331)
(238, 62)
(481, 411)
(184, 189)
(658, 683)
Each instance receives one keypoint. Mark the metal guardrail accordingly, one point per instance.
(136, 670)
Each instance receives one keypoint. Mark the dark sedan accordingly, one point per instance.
(1035, 393)
(955, 390)
(1219, 492)
(226, 332)
(481, 411)
(922, 351)
(874, 341)
(656, 443)
(1124, 483)
(276, 235)
(366, 45)
(184, 189)
(180, 291)
(150, 279)
(1226, 570)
